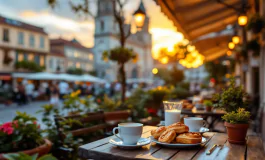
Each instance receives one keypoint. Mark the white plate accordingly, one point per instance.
(142, 142)
(177, 145)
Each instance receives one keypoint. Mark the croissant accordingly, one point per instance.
(189, 138)
(157, 132)
(178, 128)
(167, 137)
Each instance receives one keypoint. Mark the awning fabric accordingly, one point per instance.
(196, 18)
(63, 76)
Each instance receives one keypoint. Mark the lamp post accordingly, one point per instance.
(139, 16)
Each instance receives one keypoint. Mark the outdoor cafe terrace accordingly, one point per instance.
(136, 118)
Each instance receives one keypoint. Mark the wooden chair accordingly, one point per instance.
(112, 119)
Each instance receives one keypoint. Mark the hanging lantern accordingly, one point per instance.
(229, 53)
(235, 39)
(231, 45)
(242, 20)
(139, 16)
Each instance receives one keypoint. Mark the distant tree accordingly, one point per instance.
(76, 71)
(118, 12)
(216, 70)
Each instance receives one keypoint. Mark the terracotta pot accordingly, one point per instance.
(41, 150)
(236, 132)
(208, 108)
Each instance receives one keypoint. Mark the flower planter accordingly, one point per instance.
(208, 108)
(41, 150)
(236, 132)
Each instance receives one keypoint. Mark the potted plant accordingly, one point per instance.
(23, 134)
(254, 46)
(156, 97)
(23, 156)
(234, 101)
(72, 103)
(208, 105)
(256, 23)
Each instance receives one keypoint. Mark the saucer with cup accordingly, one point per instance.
(129, 136)
(196, 124)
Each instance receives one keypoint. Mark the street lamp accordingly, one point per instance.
(155, 71)
(231, 45)
(235, 39)
(139, 16)
(242, 20)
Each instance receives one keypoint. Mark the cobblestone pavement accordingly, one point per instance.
(7, 113)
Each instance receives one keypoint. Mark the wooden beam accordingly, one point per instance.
(209, 15)
(215, 27)
(209, 21)
(193, 6)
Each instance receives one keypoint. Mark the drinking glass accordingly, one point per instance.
(172, 112)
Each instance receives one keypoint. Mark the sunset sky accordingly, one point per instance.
(63, 22)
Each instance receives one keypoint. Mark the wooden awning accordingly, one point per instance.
(196, 18)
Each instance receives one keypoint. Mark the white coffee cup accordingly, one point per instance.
(194, 123)
(129, 133)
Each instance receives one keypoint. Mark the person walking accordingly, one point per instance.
(29, 91)
(63, 89)
(54, 98)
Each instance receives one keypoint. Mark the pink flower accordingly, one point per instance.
(7, 128)
(34, 122)
(15, 123)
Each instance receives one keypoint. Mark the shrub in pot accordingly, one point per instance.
(234, 101)
(237, 125)
(208, 105)
(23, 134)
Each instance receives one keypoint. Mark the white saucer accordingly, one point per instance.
(142, 142)
(203, 130)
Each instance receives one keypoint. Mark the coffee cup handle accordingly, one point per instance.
(114, 132)
(204, 123)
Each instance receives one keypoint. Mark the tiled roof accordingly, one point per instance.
(22, 25)
(74, 44)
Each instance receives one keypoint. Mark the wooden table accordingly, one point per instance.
(101, 149)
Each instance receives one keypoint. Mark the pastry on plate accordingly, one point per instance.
(178, 128)
(167, 137)
(189, 138)
(157, 132)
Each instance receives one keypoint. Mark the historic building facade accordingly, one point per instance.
(106, 38)
(20, 41)
(77, 56)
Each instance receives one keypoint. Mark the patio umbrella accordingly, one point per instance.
(69, 77)
(43, 76)
(89, 78)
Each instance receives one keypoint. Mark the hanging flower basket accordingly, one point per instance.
(256, 24)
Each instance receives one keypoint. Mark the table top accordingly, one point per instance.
(101, 149)
(194, 111)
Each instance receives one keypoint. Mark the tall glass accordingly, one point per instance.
(172, 112)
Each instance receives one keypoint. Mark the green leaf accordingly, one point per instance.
(47, 157)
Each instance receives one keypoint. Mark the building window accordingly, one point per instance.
(31, 41)
(76, 54)
(42, 61)
(20, 38)
(42, 42)
(20, 57)
(6, 35)
(90, 57)
(31, 57)
(77, 65)
(102, 26)
(70, 64)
